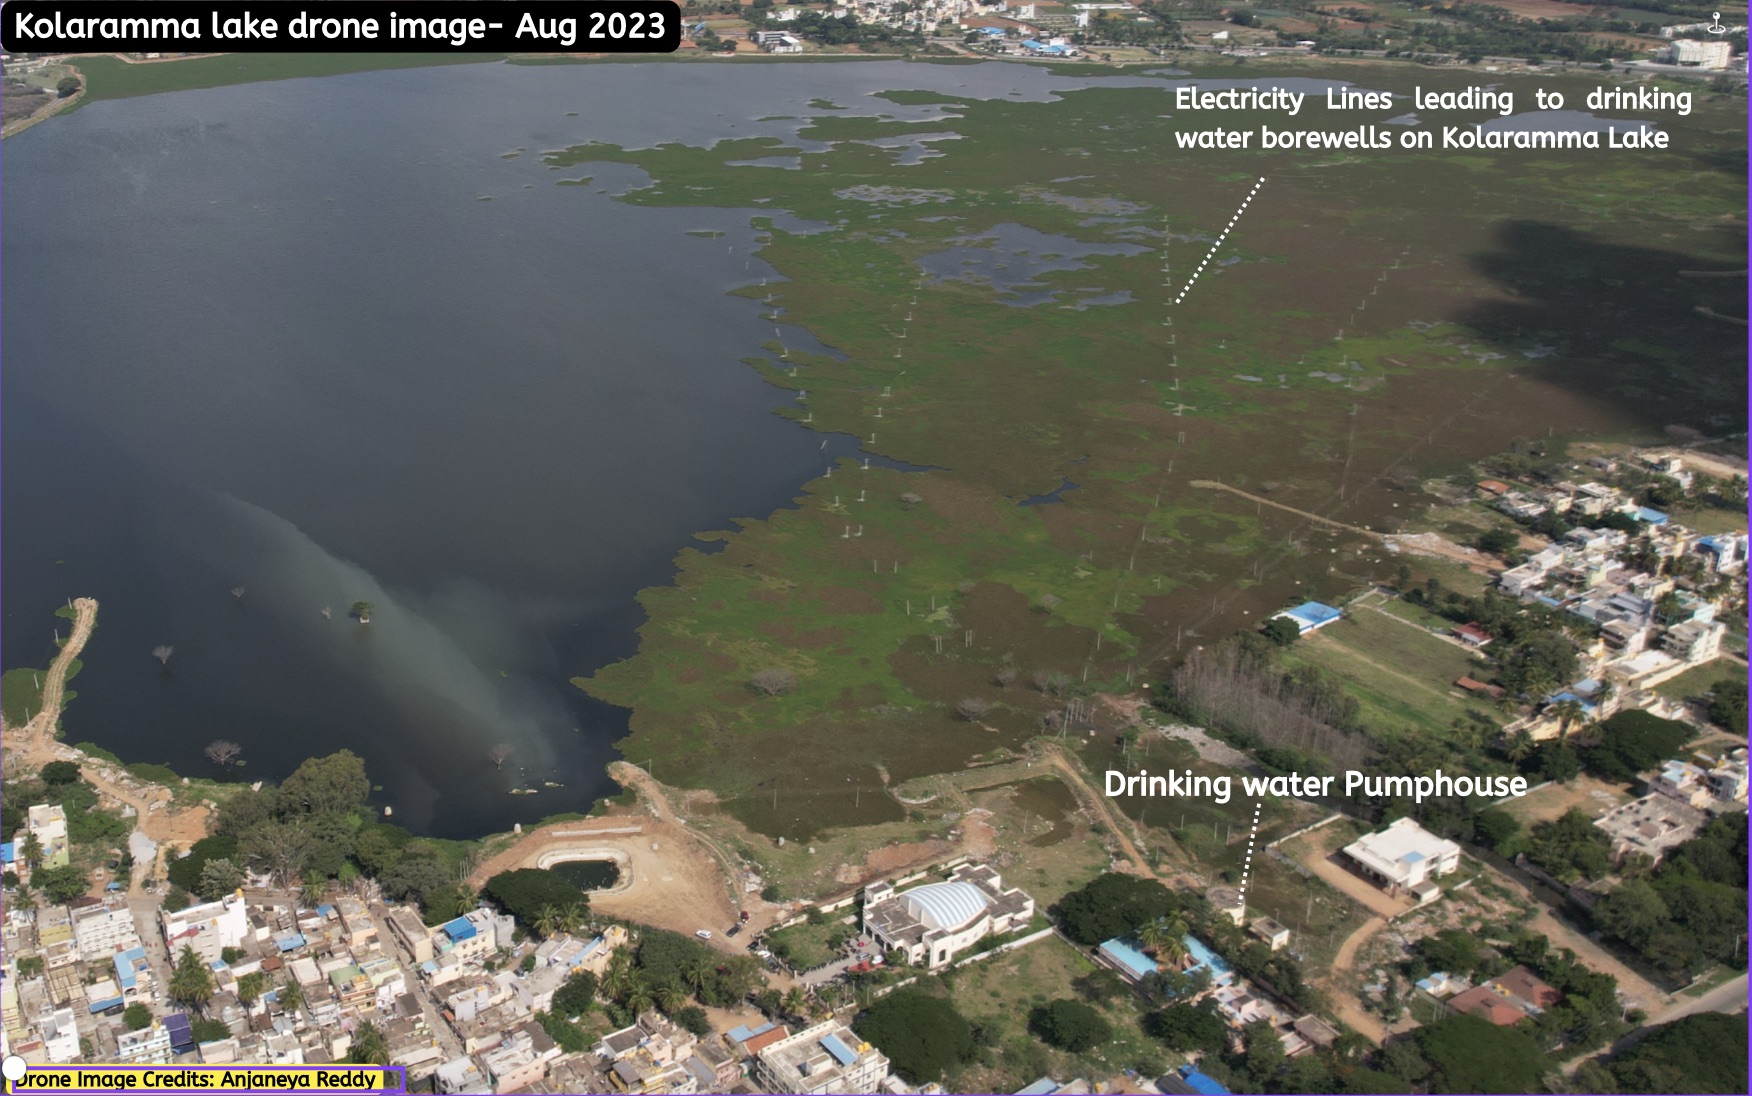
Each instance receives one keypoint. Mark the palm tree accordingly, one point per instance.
(669, 994)
(1173, 946)
(249, 989)
(31, 851)
(617, 976)
(639, 996)
(291, 995)
(1153, 933)
(795, 1002)
(313, 890)
(1567, 711)
(697, 971)
(571, 919)
(547, 919)
(1521, 745)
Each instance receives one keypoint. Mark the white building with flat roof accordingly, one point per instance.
(1708, 55)
(208, 928)
(1403, 856)
(47, 822)
(826, 1058)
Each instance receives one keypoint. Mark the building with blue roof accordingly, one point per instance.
(133, 973)
(1188, 1081)
(1404, 857)
(1310, 616)
(1650, 516)
(934, 923)
(1126, 957)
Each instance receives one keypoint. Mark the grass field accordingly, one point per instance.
(998, 994)
(807, 946)
(1697, 682)
(1402, 675)
(1587, 793)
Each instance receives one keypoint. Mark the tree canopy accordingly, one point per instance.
(1701, 1053)
(1634, 741)
(576, 995)
(1468, 1054)
(524, 892)
(1069, 1025)
(1188, 1027)
(323, 784)
(1113, 905)
(923, 1036)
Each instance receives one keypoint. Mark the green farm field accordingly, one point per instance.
(1402, 675)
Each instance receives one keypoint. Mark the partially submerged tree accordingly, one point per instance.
(774, 681)
(222, 752)
(499, 754)
(973, 708)
(362, 610)
(162, 653)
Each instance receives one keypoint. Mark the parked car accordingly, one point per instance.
(703, 934)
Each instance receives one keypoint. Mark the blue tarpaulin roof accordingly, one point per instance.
(844, 1054)
(1198, 1082)
(460, 929)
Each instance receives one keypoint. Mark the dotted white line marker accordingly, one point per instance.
(1247, 864)
(1188, 286)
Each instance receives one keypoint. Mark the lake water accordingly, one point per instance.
(272, 337)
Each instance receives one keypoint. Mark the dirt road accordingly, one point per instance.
(1347, 951)
(1118, 826)
(1435, 544)
(1312, 852)
(41, 727)
(34, 745)
(1213, 485)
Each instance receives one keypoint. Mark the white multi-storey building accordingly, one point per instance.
(826, 1058)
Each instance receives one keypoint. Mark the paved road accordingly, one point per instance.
(1727, 997)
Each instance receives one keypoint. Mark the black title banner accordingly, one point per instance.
(340, 26)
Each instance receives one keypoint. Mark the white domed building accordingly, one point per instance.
(934, 923)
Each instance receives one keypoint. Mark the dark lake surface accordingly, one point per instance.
(271, 336)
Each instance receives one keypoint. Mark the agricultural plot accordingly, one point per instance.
(1402, 675)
